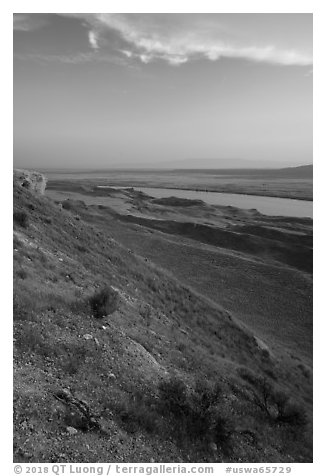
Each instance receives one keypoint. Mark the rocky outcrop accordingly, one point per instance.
(31, 180)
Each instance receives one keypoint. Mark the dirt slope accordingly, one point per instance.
(164, 375)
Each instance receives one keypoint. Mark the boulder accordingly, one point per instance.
(71, 430)
(31, 180)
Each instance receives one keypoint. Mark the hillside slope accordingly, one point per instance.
(115, 360)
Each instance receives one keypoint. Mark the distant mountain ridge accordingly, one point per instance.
(220, 164)
(231, 164)
(302, 171)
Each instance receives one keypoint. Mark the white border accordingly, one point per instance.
(168, 6)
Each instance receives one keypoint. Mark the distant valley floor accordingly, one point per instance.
(256, 266)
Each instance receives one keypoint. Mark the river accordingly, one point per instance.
(272, 206)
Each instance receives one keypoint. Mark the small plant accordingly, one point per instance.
(81, 248)
(66, 204)
(104, 302)
(73, 359)
(173, 395)
(32, 340)
(206, 422)
(21, 219)
(16, 243)
(136, 413)
(195, 413)
(23, 310)
(206, 396)
(22, 273)
(19, 312)
(288, 411)
(274, 403)
(145, 312)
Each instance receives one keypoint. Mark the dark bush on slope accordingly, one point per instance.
(104, 302)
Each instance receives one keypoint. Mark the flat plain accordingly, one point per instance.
(287, 183)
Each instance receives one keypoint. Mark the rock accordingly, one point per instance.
(27, 455)
(262, 347)
(97, 342)
(71, 430)
(31, 180)
(213, 446)
(87, 336)
(79, 410)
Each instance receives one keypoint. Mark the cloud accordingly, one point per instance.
(93, 39)
(71, 59)
(267, 54)
(127, 53)
(177, 40)
(26, 22)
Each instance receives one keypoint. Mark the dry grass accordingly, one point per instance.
(141, 369)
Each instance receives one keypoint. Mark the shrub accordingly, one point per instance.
(67, 205)
(136, 413)
(288, 411)
(145, 312)
(16, 242)
(206, 422)
(190, 416)
(81, 248)
(19, 313)
(173, 397)
(195, 413)
(21, 219)
(22, 273)
(72, 359)
(23, 309)
(274, 403)
(32, 340)
(221, 434)
(104, 302)
(206, 396)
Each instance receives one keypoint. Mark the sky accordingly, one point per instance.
(158, 90)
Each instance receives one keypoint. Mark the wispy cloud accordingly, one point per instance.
(177, 44)
(93, 39)
(72, 59)
(25, 22)
(175, 39)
